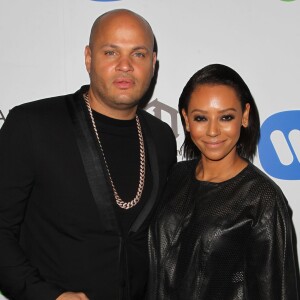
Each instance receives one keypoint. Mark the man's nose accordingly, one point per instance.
(124, 64)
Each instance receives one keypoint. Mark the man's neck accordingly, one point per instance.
(111, 112)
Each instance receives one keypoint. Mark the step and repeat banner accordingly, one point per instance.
(42, 46)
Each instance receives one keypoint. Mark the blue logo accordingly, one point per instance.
(279, 146)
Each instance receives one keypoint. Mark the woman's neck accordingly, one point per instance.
(219, 171)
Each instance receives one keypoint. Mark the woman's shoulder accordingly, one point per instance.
(182, 173)
(268, 194)
(262, 180)
(184, 167)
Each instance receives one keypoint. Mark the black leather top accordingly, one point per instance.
(228, 241)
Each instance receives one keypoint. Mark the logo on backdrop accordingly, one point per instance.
(279, 146)
(105, 0)
(2, 117)
(160, 108)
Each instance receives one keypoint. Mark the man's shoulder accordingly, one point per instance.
(41, 103)
(50, 103)
(41, 111)
(44, 108)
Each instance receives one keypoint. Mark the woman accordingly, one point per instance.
(224, 230)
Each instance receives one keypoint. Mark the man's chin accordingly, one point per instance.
(126, 103)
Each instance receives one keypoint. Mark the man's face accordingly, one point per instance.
(120, 61)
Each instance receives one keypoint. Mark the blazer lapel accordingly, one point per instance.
(90, 155)
(152, 156)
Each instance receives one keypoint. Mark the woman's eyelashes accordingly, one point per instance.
(227, 118)
(199, 118)
(202, 118)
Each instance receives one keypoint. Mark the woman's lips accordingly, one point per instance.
(214, 144)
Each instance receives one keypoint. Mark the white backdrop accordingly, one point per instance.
(41, 55)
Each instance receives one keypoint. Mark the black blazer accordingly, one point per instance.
(58, 228)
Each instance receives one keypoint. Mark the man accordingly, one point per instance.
(81, 174)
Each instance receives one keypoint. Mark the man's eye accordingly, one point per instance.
(109, 52)
(139, 54)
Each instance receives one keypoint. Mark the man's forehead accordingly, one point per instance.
(119, 20)
(123, 20)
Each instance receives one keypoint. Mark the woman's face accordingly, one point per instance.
(214, 118)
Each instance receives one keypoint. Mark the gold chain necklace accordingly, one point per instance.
(120, 202)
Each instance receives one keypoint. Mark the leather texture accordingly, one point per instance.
(223, 241)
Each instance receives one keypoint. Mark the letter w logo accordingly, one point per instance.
(279, 146)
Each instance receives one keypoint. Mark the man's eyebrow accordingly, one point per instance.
(141, 48)
(109, 46)
(113, 46)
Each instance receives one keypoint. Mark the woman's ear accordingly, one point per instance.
(186, 120)
(245, 118)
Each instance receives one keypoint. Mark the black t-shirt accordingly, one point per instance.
(119, 139)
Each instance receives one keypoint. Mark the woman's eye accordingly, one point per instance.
(227, 118)
(199, 118)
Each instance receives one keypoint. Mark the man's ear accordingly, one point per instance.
(88, 58)
(154, 58)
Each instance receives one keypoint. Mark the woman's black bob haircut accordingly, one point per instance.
(217, 74)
